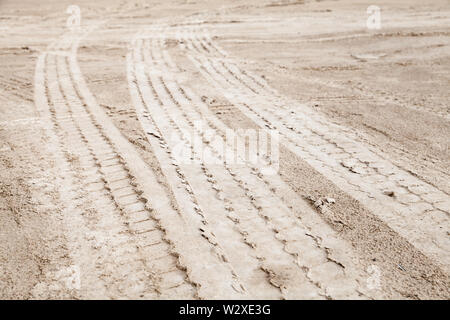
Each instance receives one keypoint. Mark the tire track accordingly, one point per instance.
(119, 182)
(209, 263)
(184, 99)
(308, 252)
(156, 199)
(104, 179)
(147, 267)
(200, 174)
(92, 280)
(332, 151)
(243, 208)
(295, 245)
(195, 179)
(78, 245)
(244, 205)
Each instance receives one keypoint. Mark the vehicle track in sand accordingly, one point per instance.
(415, 209)
(130, 255)
(213, 229)
(166, 109)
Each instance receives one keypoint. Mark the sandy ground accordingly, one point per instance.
(95, 204)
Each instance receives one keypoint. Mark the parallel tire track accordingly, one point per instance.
(154, 247)
(334, 152)
(200, 174)
(253, 221)
(113, 203)
(209, 265)
(298, 242)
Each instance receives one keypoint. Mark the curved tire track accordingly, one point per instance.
(297, 242)
(418, 210)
